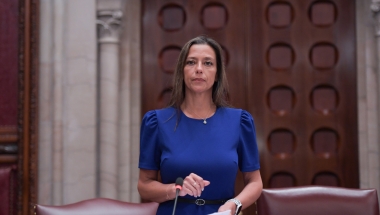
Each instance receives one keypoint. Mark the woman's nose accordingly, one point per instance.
(199, 68)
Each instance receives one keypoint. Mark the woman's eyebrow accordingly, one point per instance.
(205, 58)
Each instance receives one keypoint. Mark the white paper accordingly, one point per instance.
(222, 213)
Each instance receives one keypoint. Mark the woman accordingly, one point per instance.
(199, 139)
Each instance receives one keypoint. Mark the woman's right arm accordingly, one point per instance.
(151, 189)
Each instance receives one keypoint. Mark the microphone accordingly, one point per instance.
(178, 187)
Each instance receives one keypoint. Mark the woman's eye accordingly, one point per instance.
(190, 62)
(208, 63)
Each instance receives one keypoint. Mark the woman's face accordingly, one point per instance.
(200, 69)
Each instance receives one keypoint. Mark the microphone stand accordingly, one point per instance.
(175, 200)
(178, 186)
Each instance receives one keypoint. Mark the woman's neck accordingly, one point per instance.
(198, 106)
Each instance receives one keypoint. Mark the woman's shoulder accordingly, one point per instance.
(245, 115)
(158, 114)
(232, 110)
(165, 112)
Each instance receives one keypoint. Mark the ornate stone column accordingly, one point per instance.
(118, 170)
(108, 91)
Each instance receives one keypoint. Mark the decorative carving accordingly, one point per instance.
(109, 25)
(375, 7)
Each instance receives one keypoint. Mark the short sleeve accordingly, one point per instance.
(150, 153)
(247, 150)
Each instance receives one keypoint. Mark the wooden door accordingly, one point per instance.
(303, 91)
(291, 64)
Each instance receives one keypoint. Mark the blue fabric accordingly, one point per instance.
(213, 151)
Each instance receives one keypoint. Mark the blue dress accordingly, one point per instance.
(214, 151)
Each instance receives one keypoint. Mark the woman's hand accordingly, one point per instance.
(228, 206)
(193, 185)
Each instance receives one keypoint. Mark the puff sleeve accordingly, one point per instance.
(247, 149)
(150, 153)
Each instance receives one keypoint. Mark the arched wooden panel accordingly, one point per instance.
(280, 57)
(281, 100)
(214, 16)
(279, 14)
(282, 179)
(323, 13)
(172, 17)
(281, 143)
(325, 142)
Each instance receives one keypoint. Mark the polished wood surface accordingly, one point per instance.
(306, 63)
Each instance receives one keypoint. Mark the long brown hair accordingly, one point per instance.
(220, 87)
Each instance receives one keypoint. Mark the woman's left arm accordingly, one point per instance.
(250, 193)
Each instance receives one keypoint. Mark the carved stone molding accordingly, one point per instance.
(375, 8)
(109, 22)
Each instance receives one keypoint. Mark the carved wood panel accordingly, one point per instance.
(303, 75)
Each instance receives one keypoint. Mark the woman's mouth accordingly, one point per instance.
(198, 79)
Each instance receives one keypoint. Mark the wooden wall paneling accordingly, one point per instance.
(305, 64)
(9, 48)
(9, 63)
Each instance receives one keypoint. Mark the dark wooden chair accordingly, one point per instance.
(98, 206)
(318, 200)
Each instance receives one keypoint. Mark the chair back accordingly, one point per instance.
(8, 189)
(98, 206)
(318, 200)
